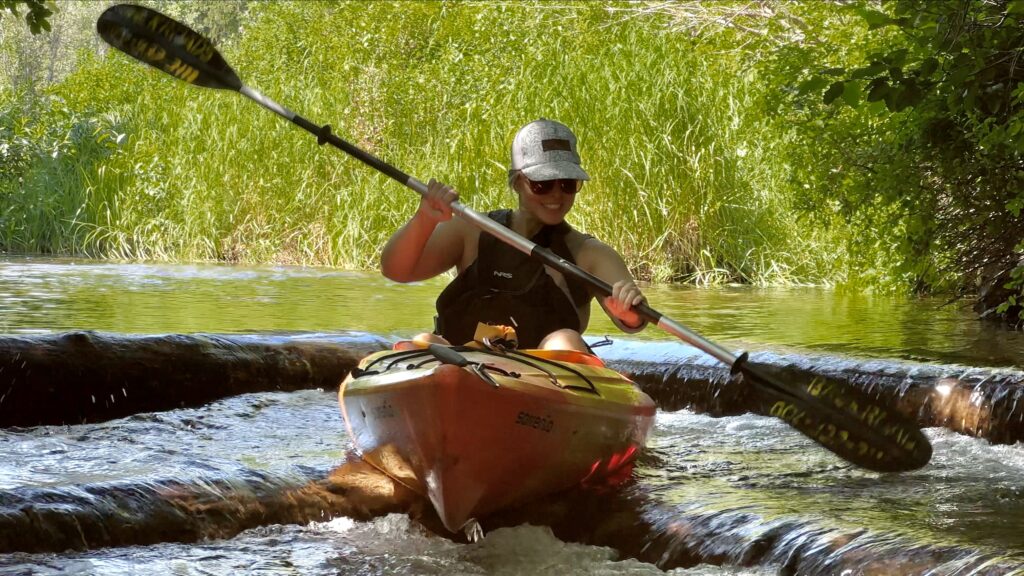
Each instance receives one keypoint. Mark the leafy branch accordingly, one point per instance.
(36, 16)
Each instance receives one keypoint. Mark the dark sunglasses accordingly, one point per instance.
(545, 187)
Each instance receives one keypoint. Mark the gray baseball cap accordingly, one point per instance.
(546, 150)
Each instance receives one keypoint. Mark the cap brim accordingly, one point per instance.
(554, 171)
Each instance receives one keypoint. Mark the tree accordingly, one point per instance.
(36, 16)
(951, 179)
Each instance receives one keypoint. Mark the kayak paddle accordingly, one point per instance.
(847, 421)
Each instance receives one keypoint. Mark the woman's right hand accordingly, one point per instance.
(436, 204)
(423, 248)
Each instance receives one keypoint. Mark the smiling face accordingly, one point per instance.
(549, 208)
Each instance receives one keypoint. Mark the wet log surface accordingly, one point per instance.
(55, 520)
(670, 539)
(984, 403)
(80, 377)
(143, 513)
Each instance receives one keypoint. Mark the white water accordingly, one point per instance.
(391, 545)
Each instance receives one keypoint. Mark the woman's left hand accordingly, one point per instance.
(625, 295)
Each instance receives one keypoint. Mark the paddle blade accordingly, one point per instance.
(166, 44)
(841, 418)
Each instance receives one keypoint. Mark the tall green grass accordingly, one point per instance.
(688, 179)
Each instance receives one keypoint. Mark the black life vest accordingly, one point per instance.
(505, 286)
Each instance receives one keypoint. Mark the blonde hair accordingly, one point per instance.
(512, 175)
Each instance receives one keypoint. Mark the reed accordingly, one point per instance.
(689, 181)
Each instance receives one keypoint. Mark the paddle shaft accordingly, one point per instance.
(843, 420)
(791, 401)
(325, 136)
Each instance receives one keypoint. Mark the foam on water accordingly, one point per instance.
(390, 545)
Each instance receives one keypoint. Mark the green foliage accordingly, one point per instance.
(868, 143)
(688, 176)
(37, 15)
(219, 21)
(926, 114)
(46, 154)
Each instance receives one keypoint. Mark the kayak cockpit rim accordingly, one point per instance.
(420, 358)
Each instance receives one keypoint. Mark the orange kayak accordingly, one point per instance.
(478, 430)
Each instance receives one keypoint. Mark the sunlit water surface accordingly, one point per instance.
(47, 295)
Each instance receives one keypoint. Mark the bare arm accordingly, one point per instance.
(429, 243)
(602, 261)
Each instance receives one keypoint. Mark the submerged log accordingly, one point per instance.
(683, 538)
(983, 403)
(95, 516)
(56, 519)
(81, 377)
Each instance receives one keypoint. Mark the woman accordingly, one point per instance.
(496, 284)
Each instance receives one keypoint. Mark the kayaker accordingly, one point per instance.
(497, 284)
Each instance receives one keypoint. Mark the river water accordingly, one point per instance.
(726, 482)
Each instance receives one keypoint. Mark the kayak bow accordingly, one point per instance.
(477, 430)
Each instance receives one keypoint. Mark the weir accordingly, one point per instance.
(625, 519)
(978, 402)
(232, 463)
(81, 377)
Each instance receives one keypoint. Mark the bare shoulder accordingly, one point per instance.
(589, 250)
(575, 240)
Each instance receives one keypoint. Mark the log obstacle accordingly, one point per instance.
(80, 377)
